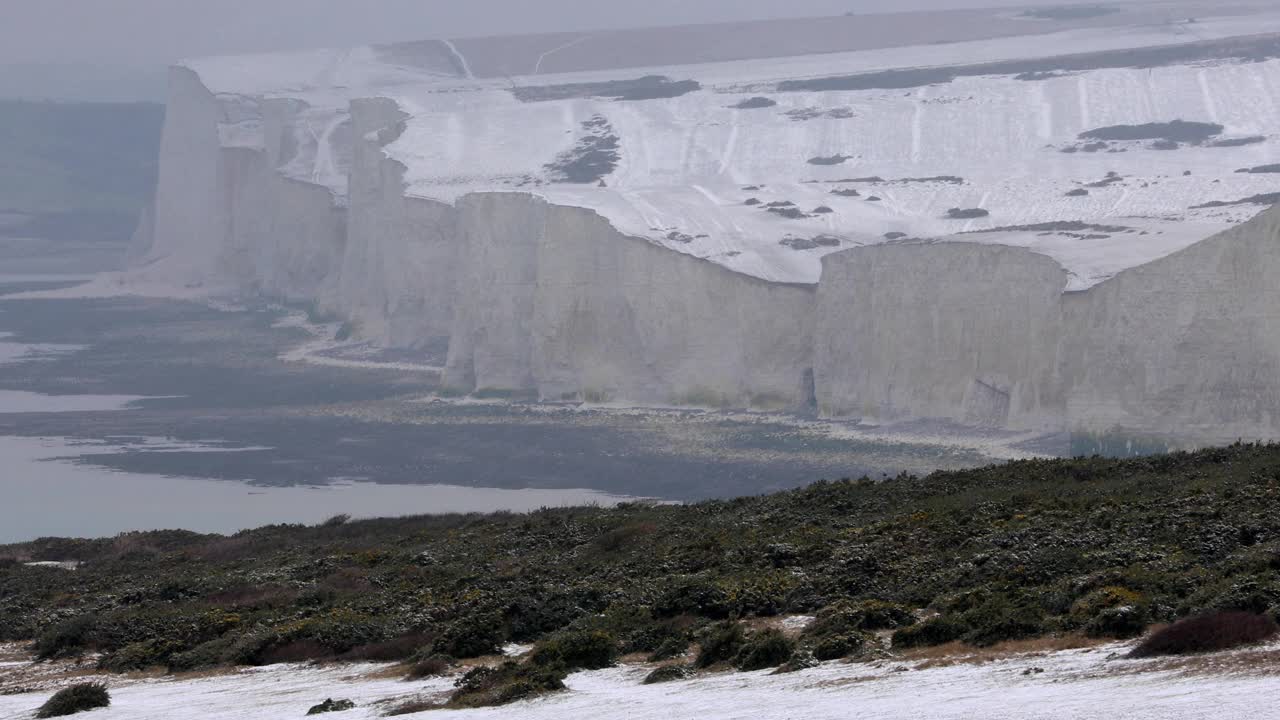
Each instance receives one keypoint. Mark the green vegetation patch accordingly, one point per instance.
(1094, 546)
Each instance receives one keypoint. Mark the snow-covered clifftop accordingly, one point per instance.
(1003, 234)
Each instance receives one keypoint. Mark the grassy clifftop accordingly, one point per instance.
(1090, 546)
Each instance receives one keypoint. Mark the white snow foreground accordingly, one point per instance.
(1064, 685)
(983, 218)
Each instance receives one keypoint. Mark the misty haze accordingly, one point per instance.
(639, 360)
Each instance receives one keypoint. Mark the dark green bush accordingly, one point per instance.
(764, 649)
(668, 673)
(137, 656)
(75, 699)
(845, 617)
(507, 683)
(693, 596)
(800, 660)
(331, 705)
(936, 631)
(1124, 622)
(672, 647)
(69, 637)
(577, 650)
(205, 655)
(835, 647)
(720, 644)
(472, 636)
(424, 665)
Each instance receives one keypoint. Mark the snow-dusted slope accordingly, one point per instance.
(1087, 684)
(655, 233)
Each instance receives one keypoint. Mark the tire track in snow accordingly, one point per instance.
(730, 147)
(537, 66)
(917, 126)
(460, 59)
(1210, 106)
(1082, 89)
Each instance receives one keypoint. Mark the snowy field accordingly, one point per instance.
(697, 173)
(1073, 684)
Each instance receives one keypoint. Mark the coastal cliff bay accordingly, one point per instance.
(1052, 225)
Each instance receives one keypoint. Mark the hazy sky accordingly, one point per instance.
(155, 32)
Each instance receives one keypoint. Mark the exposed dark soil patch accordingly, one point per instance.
(967, 213)
(822, 210)
(830, 160)
(817, 241)
(873, 198)
(752, 201)
(1263, 199)
(1177, 131)
(894, 235)
(804, 114)
(1238, 142)
(649, 87)
(1261, 169)
(790, 213)
(950, 179)
(846, 192)
(780, 204)
(755, 103)
(1248, 49)
(1111, 179)
(1068, 13)
(1078, 192)
(884, 80)
(592, 159)
(1074, 226)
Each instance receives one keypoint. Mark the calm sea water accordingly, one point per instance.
(47, 489)
(50, 486)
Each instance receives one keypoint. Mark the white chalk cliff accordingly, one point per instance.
(1042, 224)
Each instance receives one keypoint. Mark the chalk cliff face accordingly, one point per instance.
(658, 283)
(554, 298)
(964, 332)
(1185, 348)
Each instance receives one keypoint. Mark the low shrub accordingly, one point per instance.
(75, 699)
(472, 636)
(840, 629)
(206, 655)
(425, 665)
(137, 656)
(693, 596)
(800, 660)
(331, 705)
(668, 673)
(393, 650)
(720, 643)
(69, 637)
(1207, 633)
(577, 650)
(507, 683)
(1124, 622)
(937, 631)
(835, 647)
(413, 707)
(297, 651)
(764, 649)
(672, 647)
